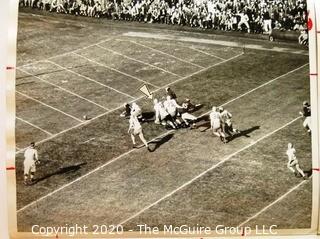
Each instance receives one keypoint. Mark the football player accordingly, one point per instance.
(162, 116)
(30, 161)
(227, 126)
(293, 164)
(136, 129)
(215, 121)
(306, 113)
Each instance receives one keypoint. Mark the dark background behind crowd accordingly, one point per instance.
(252, 16)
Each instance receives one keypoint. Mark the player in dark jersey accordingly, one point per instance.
(306, 113)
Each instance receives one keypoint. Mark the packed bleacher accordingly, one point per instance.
(252, 16)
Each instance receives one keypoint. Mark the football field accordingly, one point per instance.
(90, 174)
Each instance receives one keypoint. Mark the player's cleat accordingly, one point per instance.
(134, 146)
(305, 178)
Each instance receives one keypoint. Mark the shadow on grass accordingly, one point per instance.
(161, 141)
(64, 170)
(244, 133)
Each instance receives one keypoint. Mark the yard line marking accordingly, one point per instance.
(274, 202)
(164, 53)
(202, 70)
(89, 79)
(68, 91)
(35, 126)
(87, 141)
(206, 171)
(268, 82)
(49, 106)
(126, 153)
(142, 62)
(87, 174)
(113, 69)
(66, 53)
(119, 107)
(206, 53)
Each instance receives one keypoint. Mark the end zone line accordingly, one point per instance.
(35, 126)
(164, 53)
(274, 202)
(89, 79)
(49, 106)
(206, 171)
(206, 53)
(68, 91)
(113, 69)
(91, 172)
(142, 62)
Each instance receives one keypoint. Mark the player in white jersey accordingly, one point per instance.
(227, 126)
(135, 128)
(293, 164)
(30, 161)
(215, 121)
(171, 106)
(162, 115)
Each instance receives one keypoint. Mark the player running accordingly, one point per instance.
(215, 121)
(30, 161)
(306, 113)
(293, 164)
(135, 128)
(227, 126)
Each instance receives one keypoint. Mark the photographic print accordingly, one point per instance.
(163, 118)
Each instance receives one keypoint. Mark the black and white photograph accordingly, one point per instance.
(164, 118)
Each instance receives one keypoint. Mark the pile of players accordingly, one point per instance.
(174, 116)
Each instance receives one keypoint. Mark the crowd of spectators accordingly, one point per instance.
(252, 16)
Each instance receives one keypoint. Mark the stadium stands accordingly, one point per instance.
(252, 16)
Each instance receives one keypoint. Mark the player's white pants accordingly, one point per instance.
(267, 25)
(187, 116)
(307, 122)
(296, 166)
(245, 23)
(29, 166)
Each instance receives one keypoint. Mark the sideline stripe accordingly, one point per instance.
(168, 132)
(164, 53)
(89, 79)
(49, 106)
(142, 62)
(113, 69)
(274, 202)
(206, 171)
(35, 126)
(206, 53)
(68, 91)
